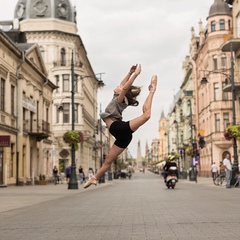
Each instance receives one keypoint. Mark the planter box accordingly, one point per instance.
(42, 182)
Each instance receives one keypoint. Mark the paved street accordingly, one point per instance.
(138, 209)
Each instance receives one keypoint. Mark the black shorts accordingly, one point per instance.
(122, 132)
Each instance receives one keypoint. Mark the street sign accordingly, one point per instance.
(5, 141)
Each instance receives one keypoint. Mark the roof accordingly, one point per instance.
(219, 7)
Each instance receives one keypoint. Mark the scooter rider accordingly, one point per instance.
(169, 163)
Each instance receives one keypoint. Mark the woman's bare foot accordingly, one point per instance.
(153, 85)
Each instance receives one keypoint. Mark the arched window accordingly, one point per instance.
(224, 154)
(63, 57)
(215, 64)
(222, 24)
(224, 61)
(229, 25)
(213, 26)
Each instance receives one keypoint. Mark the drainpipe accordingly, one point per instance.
(17, 117)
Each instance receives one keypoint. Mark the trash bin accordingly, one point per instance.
(109, 175)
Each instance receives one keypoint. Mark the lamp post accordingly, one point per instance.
(233, 91)
(102, 178)
(73, 184)
(177, 142)
(192, 175)
(168, 144)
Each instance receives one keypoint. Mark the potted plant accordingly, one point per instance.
(72, 138)
(232, 131)
(189, 151)
(177, 155)
(42, 179)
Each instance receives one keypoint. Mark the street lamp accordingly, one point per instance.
(168, 144)
(73, 184)
(233, 91)
(102, 177)
(177, 142)
(192, 175)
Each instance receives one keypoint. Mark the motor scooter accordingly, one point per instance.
(171, 178)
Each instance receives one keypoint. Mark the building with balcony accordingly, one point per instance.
(25, 114)
(52, 25)
(213, 105)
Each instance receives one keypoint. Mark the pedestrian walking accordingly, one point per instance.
(80, 170)
(124, 95)
(68, 173)
(90, 173)
(214, 171)
(228, 169)
(55, 175)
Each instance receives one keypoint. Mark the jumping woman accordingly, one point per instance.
(124, 95)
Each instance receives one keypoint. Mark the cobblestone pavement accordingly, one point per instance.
(138, 209)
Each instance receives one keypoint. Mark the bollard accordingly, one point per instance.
(109, 176)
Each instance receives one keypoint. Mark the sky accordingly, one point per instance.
(119, 34)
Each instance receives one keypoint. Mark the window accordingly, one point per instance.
(216, 91)
(57, 83)
(66, 83)
(76, 113)
(222, 24)
(213, 26)
(225, 120)
(12, 99)
(215, 65)
(2, 98)
(42, 52)
(181, 116)
(63, 57)
(57, 114)
(229, 24)
(47, 115)
(217, 122)
(224, 61)
(224, 94)
(75, 83)
(66, 112)
(238, 25)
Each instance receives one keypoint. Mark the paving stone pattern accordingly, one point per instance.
(138, 209)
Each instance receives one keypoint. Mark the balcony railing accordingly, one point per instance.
(39, 129)
(66, 64)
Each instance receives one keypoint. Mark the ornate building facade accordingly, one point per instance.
(52, 24)
(26, 105)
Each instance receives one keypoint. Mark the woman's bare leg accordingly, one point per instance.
(112, 155)
(114, 152)
(139, 121)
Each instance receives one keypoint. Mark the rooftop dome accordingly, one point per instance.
(219, 7)
(40, 9)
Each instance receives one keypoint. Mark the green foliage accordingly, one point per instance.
(189, 151)
(232, 131)
(73, 138)
(42, 177)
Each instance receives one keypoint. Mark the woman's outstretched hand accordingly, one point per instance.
(138, 69)
(132, 69)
